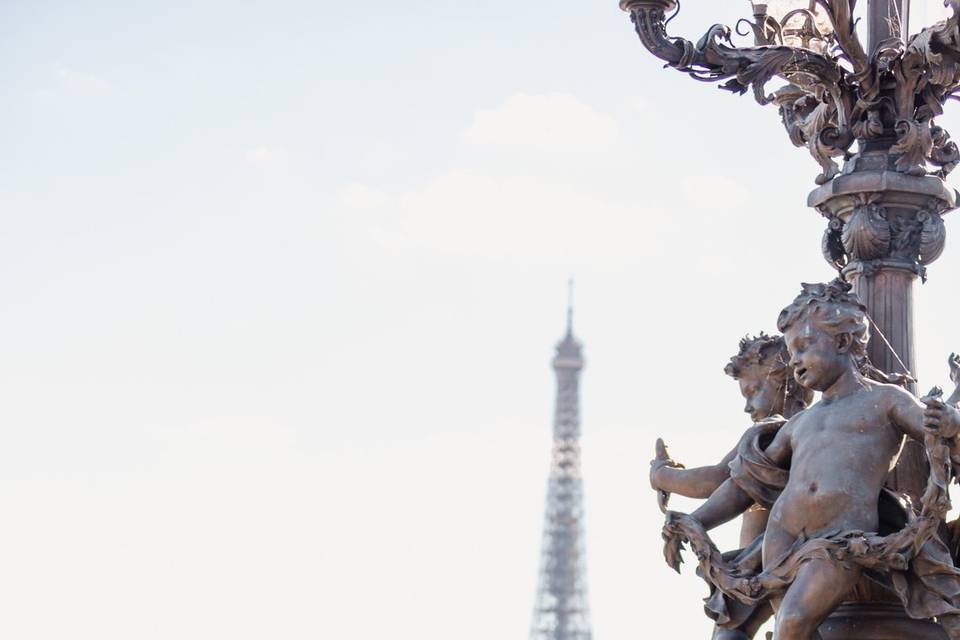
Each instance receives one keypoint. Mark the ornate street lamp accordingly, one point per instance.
(866, 114)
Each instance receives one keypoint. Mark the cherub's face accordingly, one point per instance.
(763, 392)
(818, 357)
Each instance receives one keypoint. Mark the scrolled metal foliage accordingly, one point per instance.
(714, 58)
(765, 30)
(832, 245)
(944, 153)
(835, 97)
(914, 144)
(811, 123)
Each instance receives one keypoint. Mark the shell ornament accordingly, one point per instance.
(866, 236)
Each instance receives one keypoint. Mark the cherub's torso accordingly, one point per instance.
(842, 451)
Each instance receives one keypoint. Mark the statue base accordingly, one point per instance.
(878, 622)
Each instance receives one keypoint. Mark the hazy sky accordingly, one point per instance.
(281, 285)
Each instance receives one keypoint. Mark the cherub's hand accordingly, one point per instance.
(940, 417)
(954, 362)
(661, 460)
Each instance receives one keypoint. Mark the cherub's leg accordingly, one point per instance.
(763, 613)
(729, 634)
(819, 588)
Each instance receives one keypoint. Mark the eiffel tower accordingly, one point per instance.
(561, 611)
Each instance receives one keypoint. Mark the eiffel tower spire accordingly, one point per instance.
(561, 611)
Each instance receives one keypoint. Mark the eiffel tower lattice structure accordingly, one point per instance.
(561, 611)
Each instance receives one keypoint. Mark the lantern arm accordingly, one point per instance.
(820, 120)
(714, 58)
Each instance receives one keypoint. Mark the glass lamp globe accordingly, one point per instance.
(803, 23)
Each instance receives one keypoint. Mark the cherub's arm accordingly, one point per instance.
(730, 500)
(918, 419)
(699, 482)
(724, 505)
(954, 362)
(906, 413)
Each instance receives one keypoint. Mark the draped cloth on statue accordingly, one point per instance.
(752, 470)
(924, 578)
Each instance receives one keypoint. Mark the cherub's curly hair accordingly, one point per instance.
(771, 353)
(839, 311)
(755, 350)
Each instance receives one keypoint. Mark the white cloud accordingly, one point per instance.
(268, 158)
(381, 159)
(542, 177)
(359, 196)
(550, 121)
(82, 81)
(472, 213)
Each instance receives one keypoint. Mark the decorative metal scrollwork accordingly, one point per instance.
(836, 93)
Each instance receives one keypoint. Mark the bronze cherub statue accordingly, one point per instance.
(767, 384)
(822, 475)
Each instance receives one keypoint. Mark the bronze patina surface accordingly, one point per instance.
(836, 544)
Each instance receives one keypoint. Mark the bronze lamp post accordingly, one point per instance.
(866, 113)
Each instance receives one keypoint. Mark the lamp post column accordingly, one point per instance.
(886, 19)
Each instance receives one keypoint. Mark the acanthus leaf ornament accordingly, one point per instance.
(836, 97)
(809, 123)
(870, 127)
(914, 145)
(944, 153)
